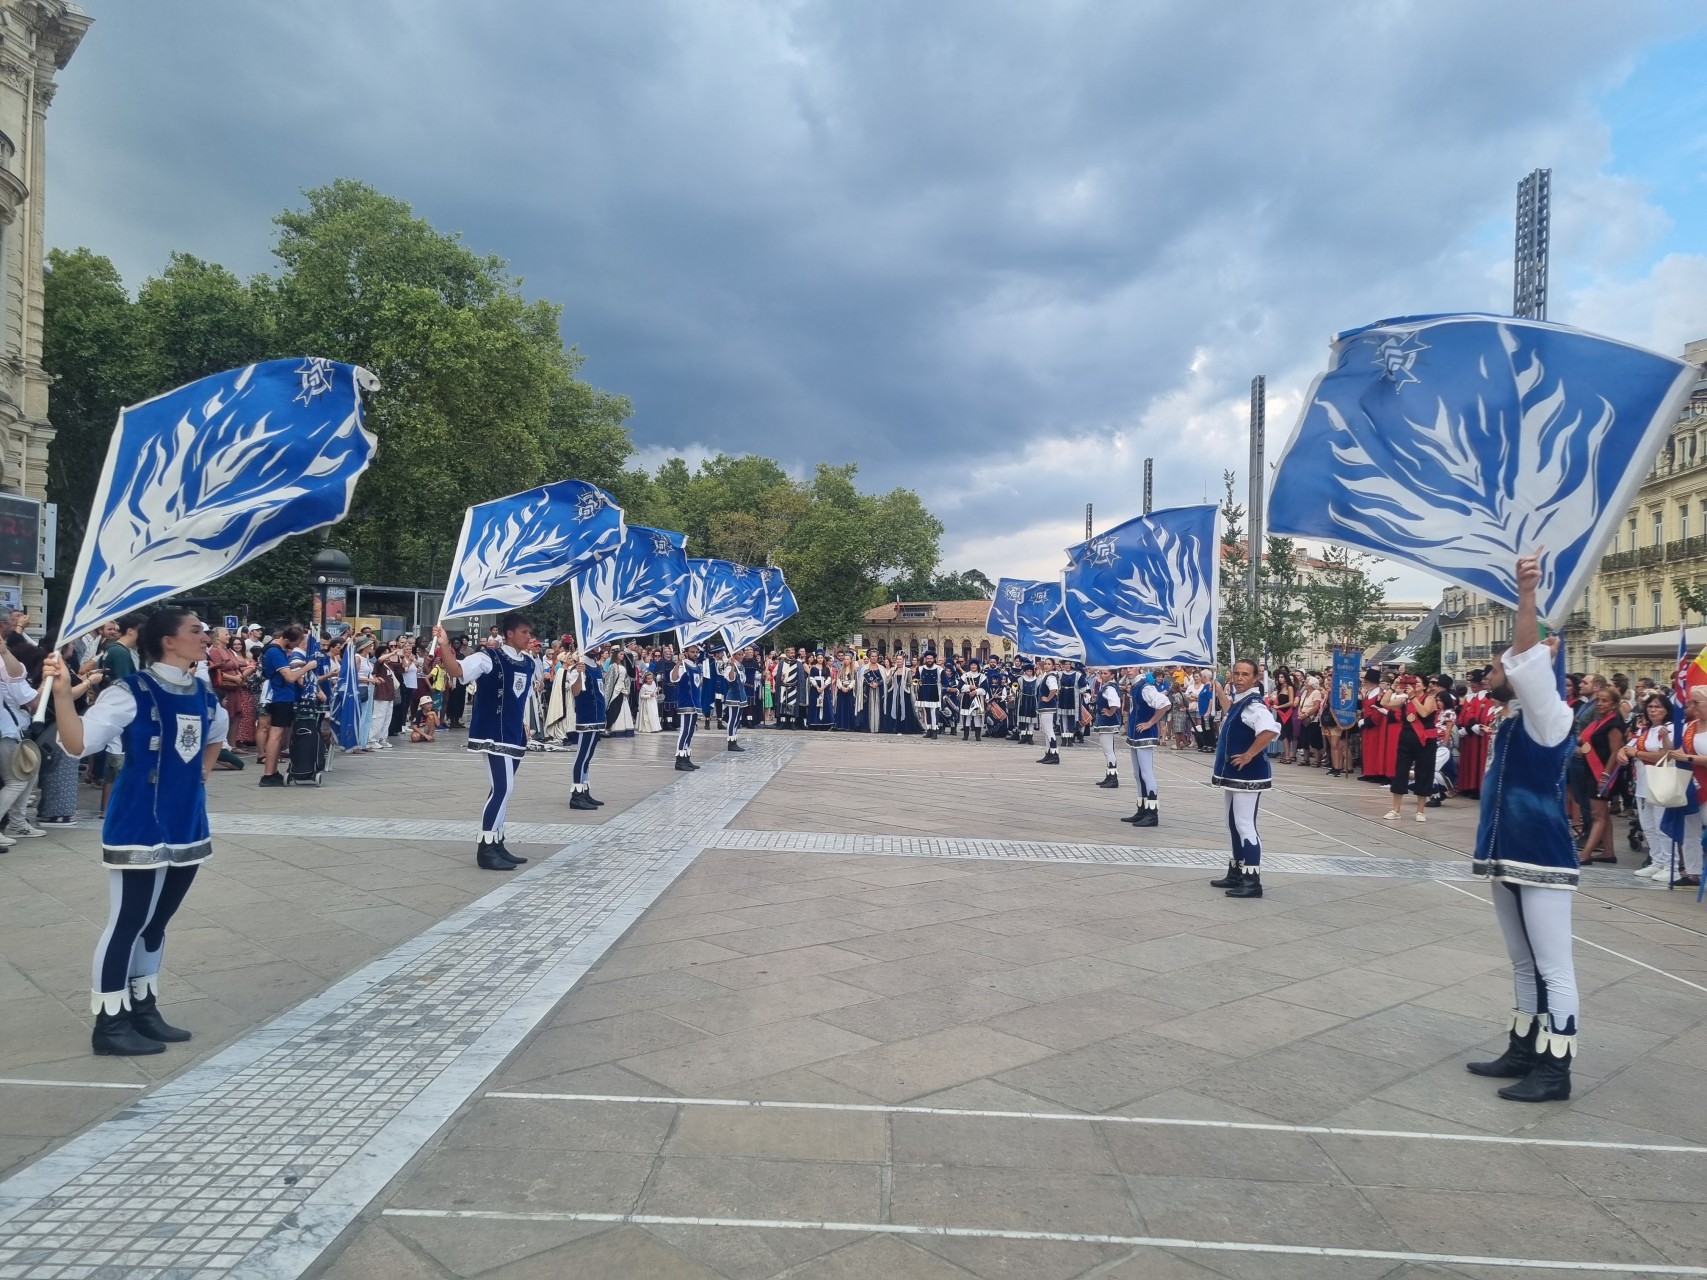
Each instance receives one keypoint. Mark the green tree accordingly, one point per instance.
(1342, 602)
(92, 345)
(1271, 627)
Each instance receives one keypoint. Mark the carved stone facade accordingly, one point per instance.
(37, 39)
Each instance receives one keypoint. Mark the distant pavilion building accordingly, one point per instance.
(943, 626)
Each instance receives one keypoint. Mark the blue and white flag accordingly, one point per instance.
(1044, 631)
(1147, 591)
(720, 593)
(515, 549)
(345, 700)
(778, 605)
(201, 480)
(639, 590)
(1003, 619)
(1458, 443)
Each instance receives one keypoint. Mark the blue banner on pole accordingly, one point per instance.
(1343, 699)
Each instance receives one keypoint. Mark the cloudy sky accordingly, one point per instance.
(999, 252)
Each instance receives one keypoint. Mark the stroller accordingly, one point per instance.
(307, 749)
(1204, 733)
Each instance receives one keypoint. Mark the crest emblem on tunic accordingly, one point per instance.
(188, 742)
(519, 683)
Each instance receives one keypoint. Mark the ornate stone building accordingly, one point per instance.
(943, 626)
(1662, 539)
(37, 39)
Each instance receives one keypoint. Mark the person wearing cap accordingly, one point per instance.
(1475, 720)
(688, 677)
(504, 677)
(1025, 713)
(927, 696)
(972, 702)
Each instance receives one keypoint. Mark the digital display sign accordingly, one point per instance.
(20, 534)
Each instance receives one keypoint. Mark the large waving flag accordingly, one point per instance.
(1147, 591)
(778, 606)
(720, 593)
(1003, 619)
(1457, 443)
(201, 480)
(639, 590)
(1044, 631)
(515, 549)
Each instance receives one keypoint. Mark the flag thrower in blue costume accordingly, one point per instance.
(1457, 443)
(511, 552)
(197, 483)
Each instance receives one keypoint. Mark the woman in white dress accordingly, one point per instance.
(616, 695)
(649, 721)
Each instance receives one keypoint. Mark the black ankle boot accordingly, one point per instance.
(115, 1037)
(1549, 1079)
(1519, 1056)
(1111, 780)
(579, 801)
(489, 857)
(736, 747)
(513, 857)
(1249, 887)
(683, 764)
(1232, 880)
(145, 1019)
(1152, 816)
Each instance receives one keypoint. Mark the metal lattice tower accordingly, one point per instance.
(1259, 423)
(1529, 265)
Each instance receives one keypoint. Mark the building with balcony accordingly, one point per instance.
(1661, 543)
(1475, 630)
(37, 39)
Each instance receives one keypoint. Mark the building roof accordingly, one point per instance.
(1415, 640)
(957, 613)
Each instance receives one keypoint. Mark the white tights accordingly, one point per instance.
(1536, 925)
(1143, 766)
(1106, 738)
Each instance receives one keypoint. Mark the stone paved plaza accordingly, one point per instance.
(837, 1008)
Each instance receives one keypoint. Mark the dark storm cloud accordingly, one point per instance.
(923, 237)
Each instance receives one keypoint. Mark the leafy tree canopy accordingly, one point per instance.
(480, 397)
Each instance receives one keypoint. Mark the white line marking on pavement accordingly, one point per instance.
(1640, 964)
(1163, 1121)
(69, 1084)
(1055, 1237)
